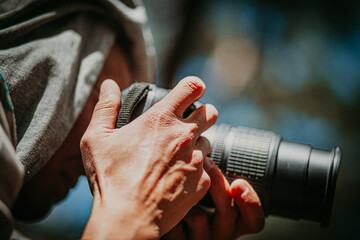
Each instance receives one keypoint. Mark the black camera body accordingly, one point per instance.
(292, 179)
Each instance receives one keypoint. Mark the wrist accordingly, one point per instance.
(118, 222)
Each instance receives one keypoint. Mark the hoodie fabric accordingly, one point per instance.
(51, 54)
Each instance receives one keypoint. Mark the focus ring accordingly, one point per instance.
(248, 156)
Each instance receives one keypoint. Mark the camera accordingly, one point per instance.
(293, 180)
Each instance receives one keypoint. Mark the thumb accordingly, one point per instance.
(106, 109)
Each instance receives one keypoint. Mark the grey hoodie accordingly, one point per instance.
(51, 53)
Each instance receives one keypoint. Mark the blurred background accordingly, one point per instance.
(292, 67)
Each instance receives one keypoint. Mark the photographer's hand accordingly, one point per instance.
(230, 220)
(148, 174)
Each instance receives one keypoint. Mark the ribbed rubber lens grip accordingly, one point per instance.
(244, 152)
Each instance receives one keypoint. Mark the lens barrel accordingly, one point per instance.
(292, 179)
(247, 153)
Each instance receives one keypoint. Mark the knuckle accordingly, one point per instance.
(185, 134)
(106, 103)
(89, 139)
(180, 142)
(194, 84)
(192, 128)
(197, 159)
(205, 183)
(86, 141)
(206, 145)
(160, 118)
(212, 112)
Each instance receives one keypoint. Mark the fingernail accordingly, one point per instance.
(241, 188)
(106, 86)
(245, 192)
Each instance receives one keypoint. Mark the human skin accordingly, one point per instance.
(158, 157)
(237, 212)
(53, 182)
(164, 170)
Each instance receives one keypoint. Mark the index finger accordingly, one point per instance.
(226, 213)
(187, 91)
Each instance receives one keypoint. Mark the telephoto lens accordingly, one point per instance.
(293, 180)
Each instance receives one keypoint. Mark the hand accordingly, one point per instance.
(229, 220)
(148, 174)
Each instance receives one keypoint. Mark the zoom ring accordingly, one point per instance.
(248, 156)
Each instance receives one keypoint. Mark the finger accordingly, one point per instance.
(226, 213)
(197, 224)
(203, 144)
(203, 185)
(248, 202)
(106, 109)
(204, 116)
(177, 233)
(187, 91)
(219, 188)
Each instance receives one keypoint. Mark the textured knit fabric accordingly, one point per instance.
(11, 170)
(51, 53)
